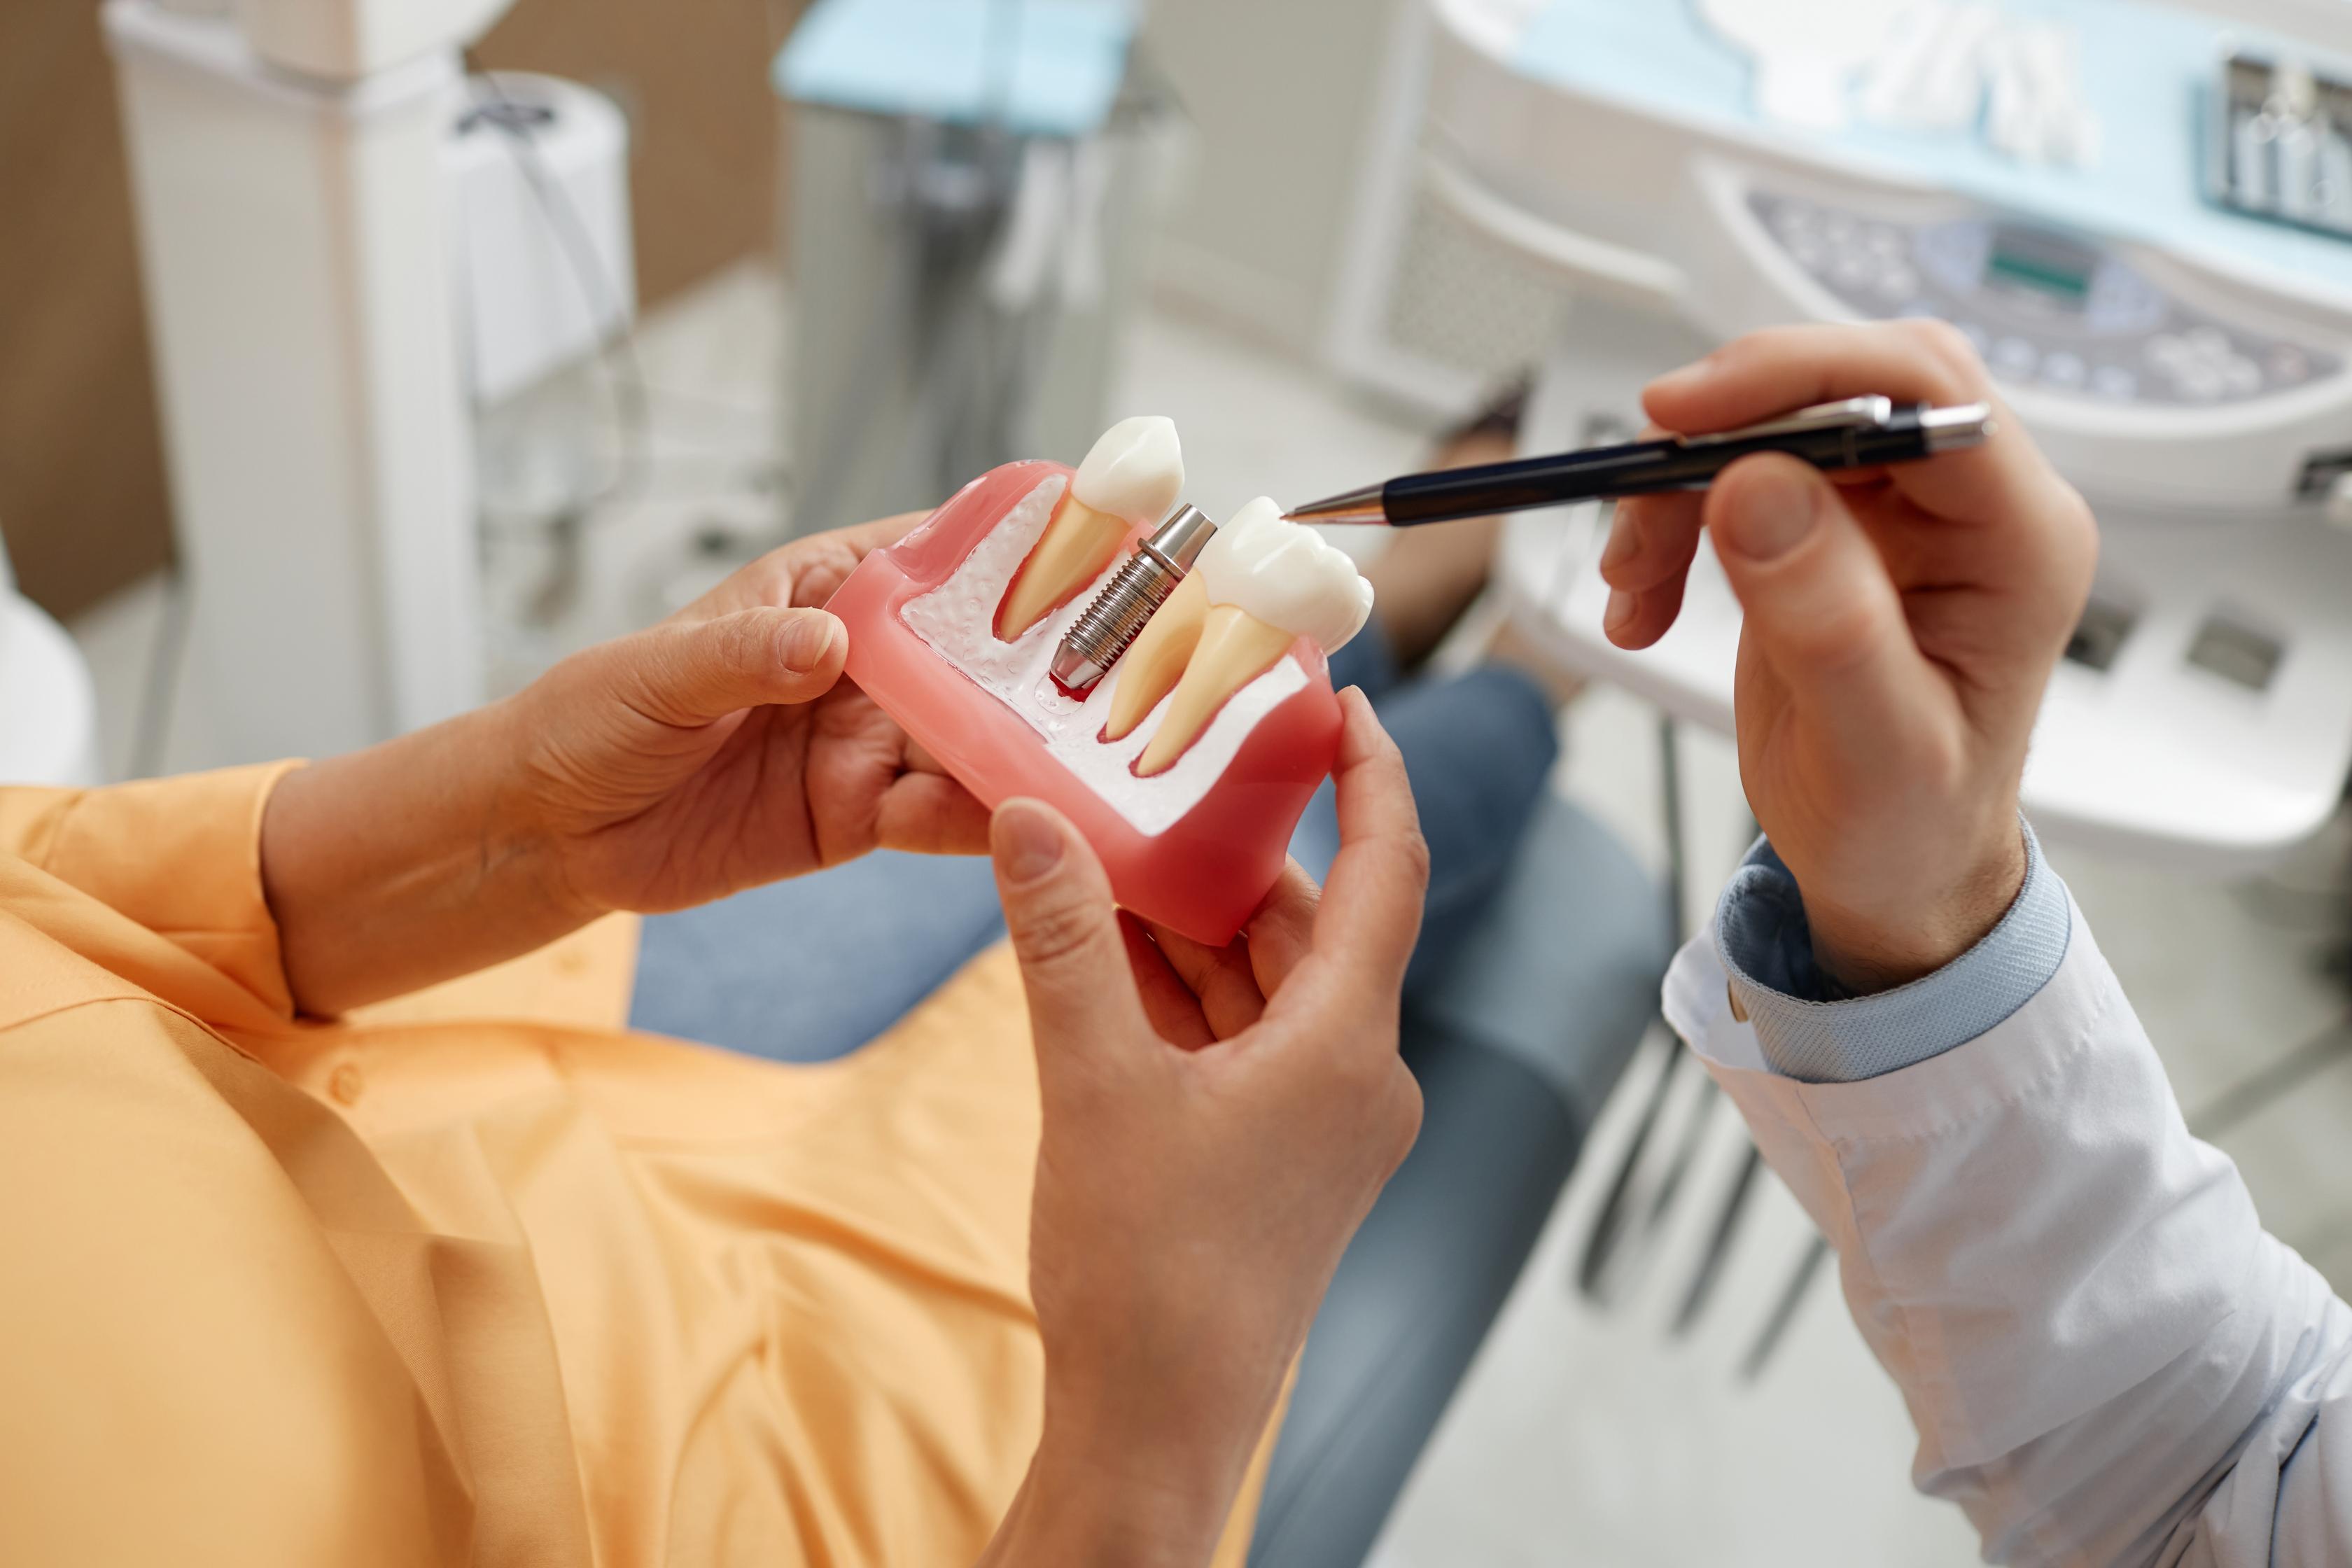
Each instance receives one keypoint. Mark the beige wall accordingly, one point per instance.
(81, 469)
(693, 76)
(1281, 91)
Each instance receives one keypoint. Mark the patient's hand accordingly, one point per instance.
(1901, 625)
(1217, 1123)
(721, 749)
(712, 752)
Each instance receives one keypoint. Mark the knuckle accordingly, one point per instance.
(1357, 1079)
(768, 580)
(1054, 932)
(2075, 542)
(2077, 525)
(1944, 346)
(646, 671)
(1936, 755)
(1737, 355)
(1413, 857)
(751, 641)
(1403, 1115)
(1834, 637)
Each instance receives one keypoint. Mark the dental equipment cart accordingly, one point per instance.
(970, 218)
(2188, 367)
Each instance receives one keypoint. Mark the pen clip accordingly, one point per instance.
(1853, 414)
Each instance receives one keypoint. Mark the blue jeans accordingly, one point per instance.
(810, 969)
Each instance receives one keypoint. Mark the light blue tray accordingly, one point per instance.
(1054, 69)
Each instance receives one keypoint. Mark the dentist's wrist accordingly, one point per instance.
(1895, 941)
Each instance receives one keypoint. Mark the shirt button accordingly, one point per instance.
(346, 1084)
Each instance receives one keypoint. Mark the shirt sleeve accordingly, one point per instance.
(1809, 1030)
(168, 877)
(2107, 1359)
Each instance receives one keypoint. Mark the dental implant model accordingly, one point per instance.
(1129, 479)
(1185, 761)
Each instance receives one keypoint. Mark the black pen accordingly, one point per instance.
(1859, 433)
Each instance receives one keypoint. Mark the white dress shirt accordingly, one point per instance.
(2107, 1359)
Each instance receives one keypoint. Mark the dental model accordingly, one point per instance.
(1226, 686)
(1128, 480)
(1265, 583)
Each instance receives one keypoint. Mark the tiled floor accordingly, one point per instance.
(1583, 1435)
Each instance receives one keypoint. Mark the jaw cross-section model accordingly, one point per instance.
(1187, 766)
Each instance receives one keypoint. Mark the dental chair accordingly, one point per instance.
(1503, 1119)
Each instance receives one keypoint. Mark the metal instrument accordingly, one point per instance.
(1858, 432)
(1116, 618)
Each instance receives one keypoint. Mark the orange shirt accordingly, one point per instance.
(477, 1277)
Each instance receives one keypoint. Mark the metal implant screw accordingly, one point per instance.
(1117, 618)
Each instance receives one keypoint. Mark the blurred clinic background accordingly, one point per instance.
(358, 358)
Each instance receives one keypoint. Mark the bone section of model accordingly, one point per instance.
(1266, 583)
(1130, 479)
(1152, 666)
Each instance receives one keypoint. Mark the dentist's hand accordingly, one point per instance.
(715, 751)
(1900, 627)
(1217, 1124)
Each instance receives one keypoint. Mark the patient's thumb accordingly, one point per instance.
(1816, 597)
(1064, 929)
(692, 672)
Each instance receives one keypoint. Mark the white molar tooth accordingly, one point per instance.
(1267, 582)
(1135, 471)
(1130, 479)
(1287, 575)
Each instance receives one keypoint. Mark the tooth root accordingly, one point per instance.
(1235, 648)
(1154, 664)
(1077, 543)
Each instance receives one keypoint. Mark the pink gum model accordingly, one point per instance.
(1204, 873)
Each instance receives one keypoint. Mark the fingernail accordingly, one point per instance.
(1776, 508)
(1625, 543)
(806, 642)
(1619, 614)
(1027, 842)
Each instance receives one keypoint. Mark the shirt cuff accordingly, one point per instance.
(180, 857)
(1805, 1027)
